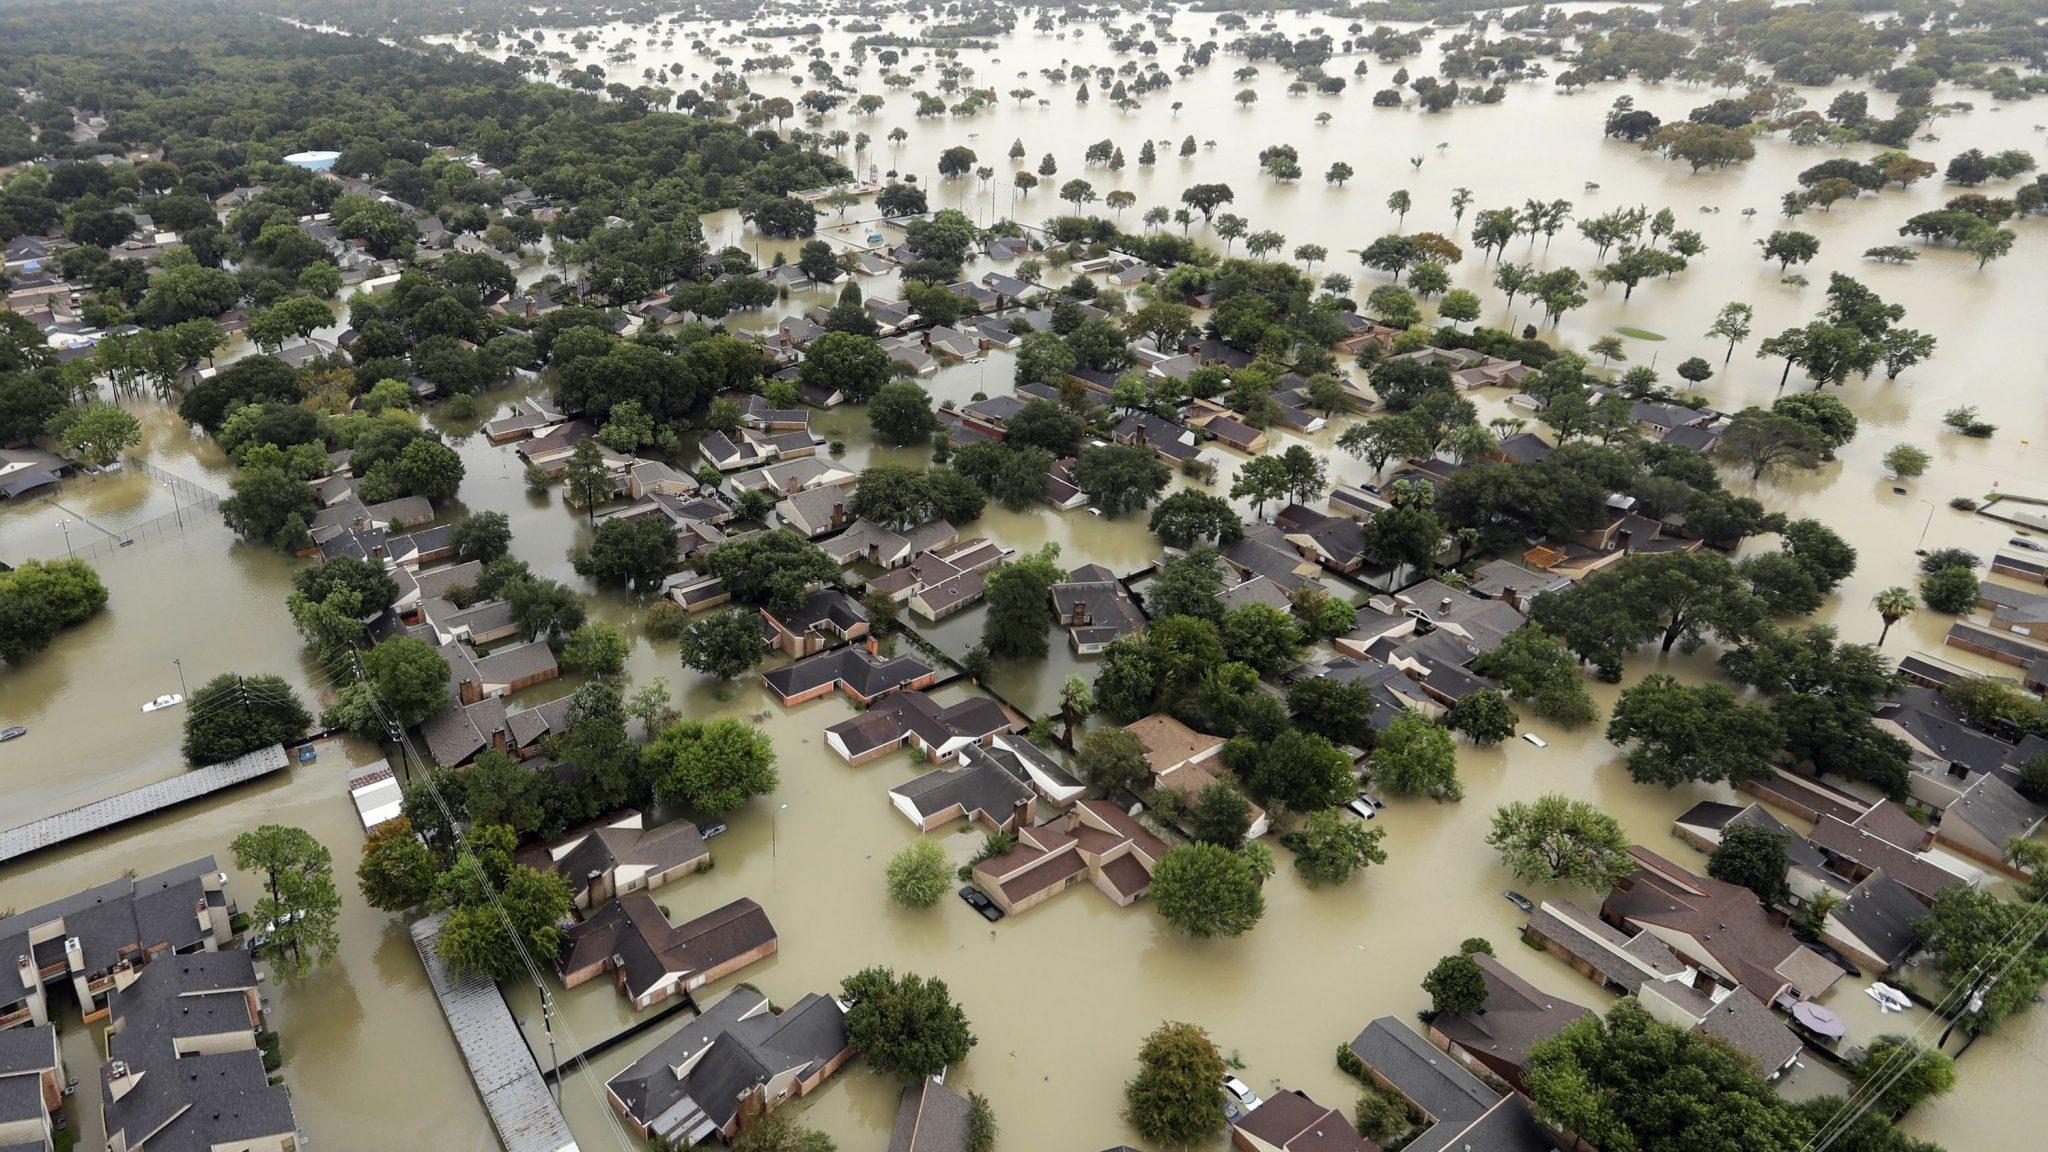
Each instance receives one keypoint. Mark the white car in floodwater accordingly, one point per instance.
(170, 701)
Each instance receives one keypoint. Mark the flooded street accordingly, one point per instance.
(1061, 996)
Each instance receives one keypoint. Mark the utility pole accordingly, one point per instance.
(547, 1019)
(180, 662)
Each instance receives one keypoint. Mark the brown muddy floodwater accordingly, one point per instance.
(1061, 996)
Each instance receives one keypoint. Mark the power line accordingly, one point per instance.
(413, 760)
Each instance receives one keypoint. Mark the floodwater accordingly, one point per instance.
(1062, 996)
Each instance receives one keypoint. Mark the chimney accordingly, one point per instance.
(1079, 614)
(1622, 538)
(839, 514)
(498, 738)
(468, 692)
(1444, 605)
(74, 954)
(1513, 596)
(600, 887)
(874, 647)
(1141, 432)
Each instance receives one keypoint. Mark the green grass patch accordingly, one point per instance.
(1639, 334)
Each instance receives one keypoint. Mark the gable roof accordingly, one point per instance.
(930, 1117)
(1292, 1121)
(1516, 1016)
(737, 1044)
(1434, 1081)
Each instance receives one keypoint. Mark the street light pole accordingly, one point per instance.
(1920, 549)
(180, 662)
(65, 525)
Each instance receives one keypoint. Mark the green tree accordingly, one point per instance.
(232, 714)
(1988, 944)
(397, 871)
(596, 649)
(1951, 590)
(1188, 517)
(1684, 733)
(1558, 839)
(774, 569)
(585, 478)
(1906, 461)
(1629, 1081)
(711, 765)
(1119, 478)
(901, 413)
(636, 552)
(908, 1026)
(1207, 890)
(1753, 856)
(1415, 755)
(848, 363)
(473, 936)
(1220, 815)
(409, 677)
(1113, 759)
(1893, 605)
(1262, 636)
(1485, 717)
(1456, 985)
(918, 876)
(1176, 1099)
(1018, 594)
(1340, 711)
(780, 1132)
(41, 598)
(99, 432)
(481, 536)
(1300, 770)
(300, 906)
(724, 645)
(1538, 668)
(1905, 1071)
(1328, 848)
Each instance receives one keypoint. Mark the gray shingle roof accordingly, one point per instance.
(1424, 1075)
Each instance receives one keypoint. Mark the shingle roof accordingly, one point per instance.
(741, 1044)
(930, 1117)
(1424, 1075)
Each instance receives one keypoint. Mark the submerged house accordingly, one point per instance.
(737, 1062)
(650, 959)
(1095, 842)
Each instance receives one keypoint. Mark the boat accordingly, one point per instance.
(10, 733)
(170, 701)
(1889, 999)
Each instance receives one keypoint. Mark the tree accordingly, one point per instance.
(780, 1132)
(901, 413)
(1906, 461)
(1416, 756)
(1630, 1081)
(270, 506)
(1119, 478)
(596, 649)
(1207, 890)
(232, 714)
(397, 871)
(480, 536)
(1188, 517)
(1456, 985)
(1262, 478)
(1951, 590)
(1904, 1071)
(1340, 711)
(711, 765)
(586, 479)
(724, 645)
(904, 1026)
(956, 161)
(1483, 716)
(1789, 248)
(99, 432)
(850, 364)
(409, 677)
(1732, 324)
(1328, 848)
(41, 598)
(1176, 1099)
(773, 569)
(1220, 815)
(1299, 770)
(1113, 760)
(1204, 198)
(1261, 636)
(1975, 934)
(1753, 856)
(473, 936)
(1830, 422)
(1768, 442)
(1893, 605)
(1018, 592)
(918, 876)
(1988, 243)
(1686, 733)
(1537, 667)
(636, 552)
(300, 906)
(1558, 839)
(1459, 305)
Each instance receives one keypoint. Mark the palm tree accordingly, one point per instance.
(1075, 705)
(1893, 605)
